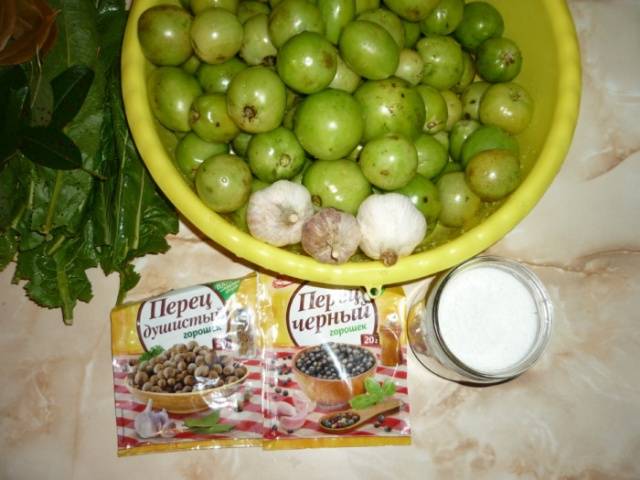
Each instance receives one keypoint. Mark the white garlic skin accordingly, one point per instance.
(277, 213)
(331, 236)
(391, 227)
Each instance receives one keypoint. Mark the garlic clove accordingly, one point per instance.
(331, 236)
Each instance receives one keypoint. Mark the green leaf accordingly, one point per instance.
(51, 148)
(364, 400)
(388, 388)
(202, 422)
(152, 352)
(14, 92)
(70, 88)
(15, 191)
(372, 386)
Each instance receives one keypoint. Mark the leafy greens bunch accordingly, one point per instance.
(74, 193)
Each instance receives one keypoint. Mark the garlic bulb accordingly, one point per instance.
(149, 424)
(331, 236)
(391, 227)
(277, 213)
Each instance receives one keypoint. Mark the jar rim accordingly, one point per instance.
(540, 296)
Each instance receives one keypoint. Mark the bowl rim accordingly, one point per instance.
(197, 393)
(296, 370)
(370, 274)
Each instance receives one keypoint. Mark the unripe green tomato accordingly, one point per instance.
(443, 61)
(249, 8)
(387, 20)
(192, 65)
(468, 74)
(499, 60)
(329, 124)
(454, 108)
(163, 32)
(480, 21)
(223, 183)
(307, 62)
(390, 106)
(241, 143)
(412, 10)
(444, 18)
(198, 6)
(275, 155)
(459, 202)
(424, 195)
(369, 50)
(471, 98)
(411, 33)
(364, 5)
(460, 131)
(256, 99)
(410, 66)
(389, 162)
(336, 14)
(193, 150)
(487, 137)
(432, 156)
(435, 109)
(216, 35)
(216, 78)
(493, 174)
(257, 48)
(443, 137)
(171, 93)
(291, 17)
(208, 118)
(508, 106)
(345, 79)
(338, 184)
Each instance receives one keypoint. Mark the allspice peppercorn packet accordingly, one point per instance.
(335, 369)
(187, 369)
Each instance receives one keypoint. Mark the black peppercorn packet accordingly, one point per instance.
(335, 371)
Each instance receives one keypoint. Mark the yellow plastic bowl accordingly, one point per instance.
(551, 73)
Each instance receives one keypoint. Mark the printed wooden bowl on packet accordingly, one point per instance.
(190, 402)
(330, 393)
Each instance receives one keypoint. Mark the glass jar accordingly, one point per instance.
(485, 321)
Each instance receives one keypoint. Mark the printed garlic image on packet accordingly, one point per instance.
(187, 369)
(335, 371)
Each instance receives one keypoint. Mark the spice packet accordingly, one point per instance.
(335, 370)
(187, 369)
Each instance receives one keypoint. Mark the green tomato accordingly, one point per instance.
(216, 78)
(389, 162)
(454, 108)
(432, 156)
(493, 174)
(198, 6)
(291, 17)
(468, 74)
(411, 33)
(257, 48)
(171, 93)
(223, 183)
(256, 99)
(163, 32)
(300, 175)
(329, 124)
(355, 153)
(424, 195)
(459, 202)
(387, 20)
(390, 106)
(487, 137)
(443, 137)
(193, 150)
(508, 106)
(249, 8)
(410, 66)
(443, 61)
(338, 184)
(216, 35)
(364, 5)
(275, 155)
(336, 15)
(499, 60)
(208, 118)
(307, 62)
(450, 167)
(241, 143)
(443, 19)
(345, 79)
(471, 98)
(192, 65)
(435, 109)
(369, 50)
(460, 131)
(412, 10)
(480, 21)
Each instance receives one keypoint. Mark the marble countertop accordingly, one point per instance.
(574, 416)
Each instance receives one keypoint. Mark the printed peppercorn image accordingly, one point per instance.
(335, 371)
(187, 369)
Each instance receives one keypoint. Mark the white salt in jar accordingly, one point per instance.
(485, 321)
